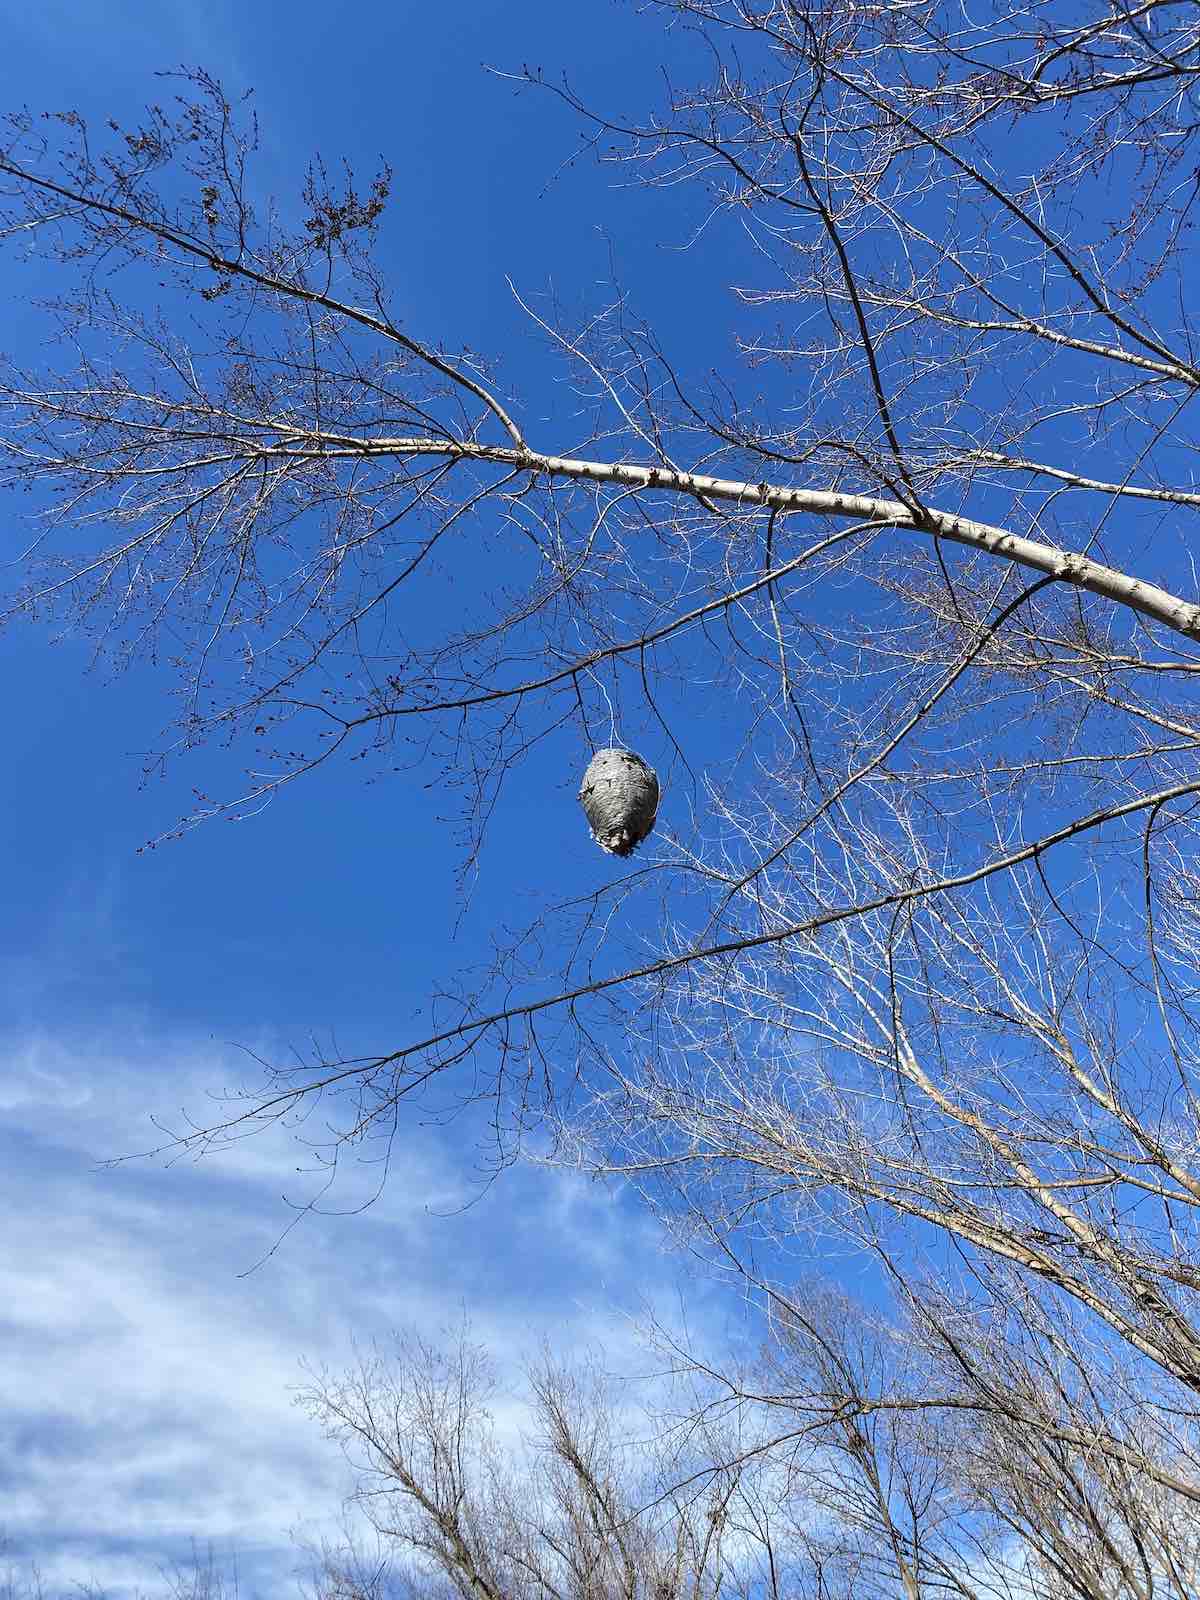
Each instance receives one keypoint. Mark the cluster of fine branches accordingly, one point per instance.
(843, 1458)
(924, 978)
(847, 1457)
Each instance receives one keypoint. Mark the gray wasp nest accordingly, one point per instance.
(619, 795)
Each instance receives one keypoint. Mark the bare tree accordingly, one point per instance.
(953, 1448)
(572, 1500)
(853, 1456)
(925, 965)
(201, 1576)
(18, 1581)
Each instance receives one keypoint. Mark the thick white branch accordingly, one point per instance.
(1182, 616)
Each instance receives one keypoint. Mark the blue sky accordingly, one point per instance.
(144, 1385)
(145, 1390)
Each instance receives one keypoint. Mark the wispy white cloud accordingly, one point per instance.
(145, 1385)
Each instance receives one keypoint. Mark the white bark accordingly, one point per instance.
(1173, 611)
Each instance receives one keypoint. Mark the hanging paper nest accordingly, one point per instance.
(619, 795)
